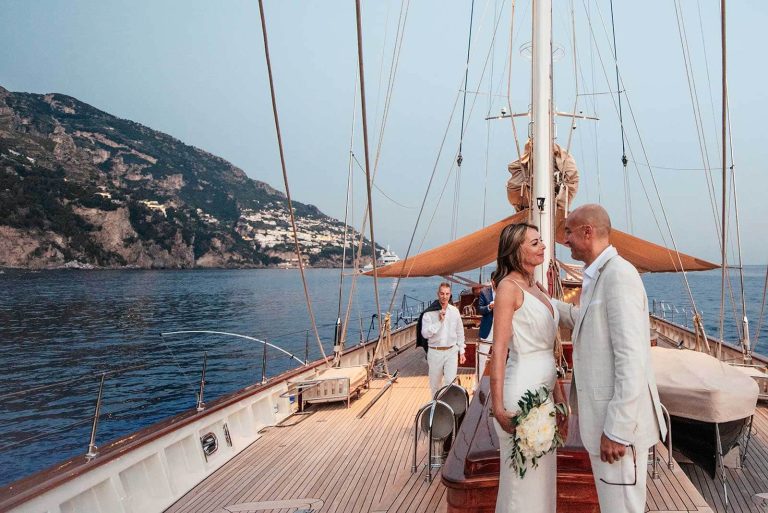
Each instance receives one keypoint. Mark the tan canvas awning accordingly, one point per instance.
(480, 248)
(464, 254)
(647, 256)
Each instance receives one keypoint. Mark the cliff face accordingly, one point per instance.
(82, 188)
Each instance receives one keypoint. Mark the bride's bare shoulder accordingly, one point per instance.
(509, 292)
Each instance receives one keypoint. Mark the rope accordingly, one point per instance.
(400, 36)
(509, 79)
(285, 182)
(368, 181)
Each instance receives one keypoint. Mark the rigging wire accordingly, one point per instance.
(471, 110)
(596, 125)
(576, 86)
(699, 121)
(285, 182)
(339, 335)
(390, 198)
(679, 263)
(709, 79)
(402, 274)
(667, 168)
(745, 320)
(497, 14)
(460, 157)
(693, 93)
(627, 195)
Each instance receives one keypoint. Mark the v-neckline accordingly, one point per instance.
(550, 308)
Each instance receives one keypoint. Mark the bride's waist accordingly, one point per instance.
(543, 355)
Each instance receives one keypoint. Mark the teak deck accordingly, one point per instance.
(331, 461)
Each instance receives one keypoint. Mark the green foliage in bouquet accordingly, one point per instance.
(536, 432)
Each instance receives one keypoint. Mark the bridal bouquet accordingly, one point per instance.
(536, 431)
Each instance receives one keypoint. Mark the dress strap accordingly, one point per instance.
(518, 285)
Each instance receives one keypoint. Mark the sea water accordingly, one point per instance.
(59, 330)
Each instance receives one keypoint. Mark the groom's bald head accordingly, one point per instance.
(587, 232)
(595, 216)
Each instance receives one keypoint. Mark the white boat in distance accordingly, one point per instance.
(386, 257)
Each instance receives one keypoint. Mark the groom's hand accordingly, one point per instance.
(611, 451)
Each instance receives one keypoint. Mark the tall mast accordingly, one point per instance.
(541, 130)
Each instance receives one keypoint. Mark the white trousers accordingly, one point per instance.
(616, 498)
(442, 364)
(484, 346)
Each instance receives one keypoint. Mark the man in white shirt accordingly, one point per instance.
(445, 332)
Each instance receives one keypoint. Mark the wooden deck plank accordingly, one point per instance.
(364, 465)
(370, 460)
(386, 457)
(742, 483)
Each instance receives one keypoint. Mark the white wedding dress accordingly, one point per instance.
(530, 365)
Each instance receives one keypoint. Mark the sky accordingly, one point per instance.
(196, 70)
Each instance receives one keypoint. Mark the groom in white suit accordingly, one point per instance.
(613, 388)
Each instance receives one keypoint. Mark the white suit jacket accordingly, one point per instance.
(614, 388)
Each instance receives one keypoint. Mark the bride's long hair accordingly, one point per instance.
(508, 260)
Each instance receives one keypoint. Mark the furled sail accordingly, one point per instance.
(566, 179)
(480, 248)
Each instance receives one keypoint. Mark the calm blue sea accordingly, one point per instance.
(60, 326)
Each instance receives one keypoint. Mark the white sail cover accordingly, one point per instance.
(697, 386)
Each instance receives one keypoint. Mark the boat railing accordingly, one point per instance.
(673, 313)
(237, 418)
(411, 307)
(64, 388)
(668, 441)
(98, 413)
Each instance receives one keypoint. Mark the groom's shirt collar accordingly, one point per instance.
(591, 272)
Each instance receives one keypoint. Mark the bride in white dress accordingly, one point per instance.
(524, 328)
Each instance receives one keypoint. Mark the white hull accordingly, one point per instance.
(148, 471)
